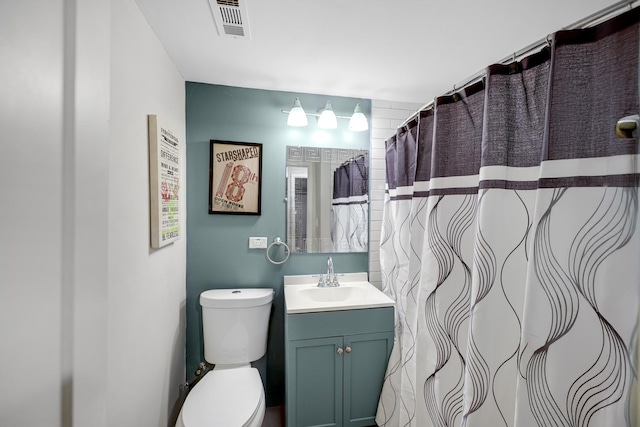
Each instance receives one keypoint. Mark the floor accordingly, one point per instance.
(274, 417)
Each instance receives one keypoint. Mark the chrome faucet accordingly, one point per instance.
(331, 275)
(330, 279)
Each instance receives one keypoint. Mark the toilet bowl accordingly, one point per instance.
(231, 397)
(235, 327)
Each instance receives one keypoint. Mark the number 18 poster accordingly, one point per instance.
(235, 178)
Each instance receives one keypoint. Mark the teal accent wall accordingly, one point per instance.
(218, 254)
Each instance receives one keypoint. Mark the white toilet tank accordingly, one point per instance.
(235, 324)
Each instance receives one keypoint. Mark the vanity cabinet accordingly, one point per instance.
(335, 366)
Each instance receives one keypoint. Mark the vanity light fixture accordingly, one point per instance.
(358, 122)
(297, 117)
(327, 119)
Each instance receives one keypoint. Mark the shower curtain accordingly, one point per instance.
(511, 244)
(350, 206)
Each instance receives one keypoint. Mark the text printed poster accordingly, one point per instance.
(164, 167)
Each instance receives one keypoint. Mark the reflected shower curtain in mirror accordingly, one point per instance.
(350, 206)
(511, 244)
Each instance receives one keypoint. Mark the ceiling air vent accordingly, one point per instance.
(231, 18)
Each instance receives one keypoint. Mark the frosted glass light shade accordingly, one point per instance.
(297, 116)
(358, 121)
(328, 118)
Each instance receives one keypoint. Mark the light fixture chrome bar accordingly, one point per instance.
(317, 114)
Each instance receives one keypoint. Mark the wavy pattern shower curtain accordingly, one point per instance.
(511, 244)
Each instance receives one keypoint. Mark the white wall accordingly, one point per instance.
(146, 287)
(31, 214)
(386, 116)
(91, 320)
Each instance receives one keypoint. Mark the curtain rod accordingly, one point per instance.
(590, 20)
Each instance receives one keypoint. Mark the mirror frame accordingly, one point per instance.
(343, 224)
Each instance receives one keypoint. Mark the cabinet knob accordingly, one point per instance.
(348, 349)
(340, 351)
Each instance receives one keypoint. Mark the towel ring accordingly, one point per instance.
(278, 242)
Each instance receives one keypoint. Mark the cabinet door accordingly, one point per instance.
(365, 364)
(314, 382)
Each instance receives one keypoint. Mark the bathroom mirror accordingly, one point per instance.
(327, 199)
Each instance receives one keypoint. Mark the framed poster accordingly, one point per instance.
(235, 178)
(164, 181)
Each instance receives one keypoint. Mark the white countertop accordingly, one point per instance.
(302, 294)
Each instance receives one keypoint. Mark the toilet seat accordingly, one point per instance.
(225, 398)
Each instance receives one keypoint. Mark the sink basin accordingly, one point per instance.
(302, 294)
(340, 293)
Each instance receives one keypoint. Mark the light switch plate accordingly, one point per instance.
(257, 243)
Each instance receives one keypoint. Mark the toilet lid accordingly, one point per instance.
(226, 397)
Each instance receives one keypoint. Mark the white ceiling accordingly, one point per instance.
(398, 50)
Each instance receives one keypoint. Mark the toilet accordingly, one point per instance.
(235, 325)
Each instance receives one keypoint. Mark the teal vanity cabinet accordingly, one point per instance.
(335, 366)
